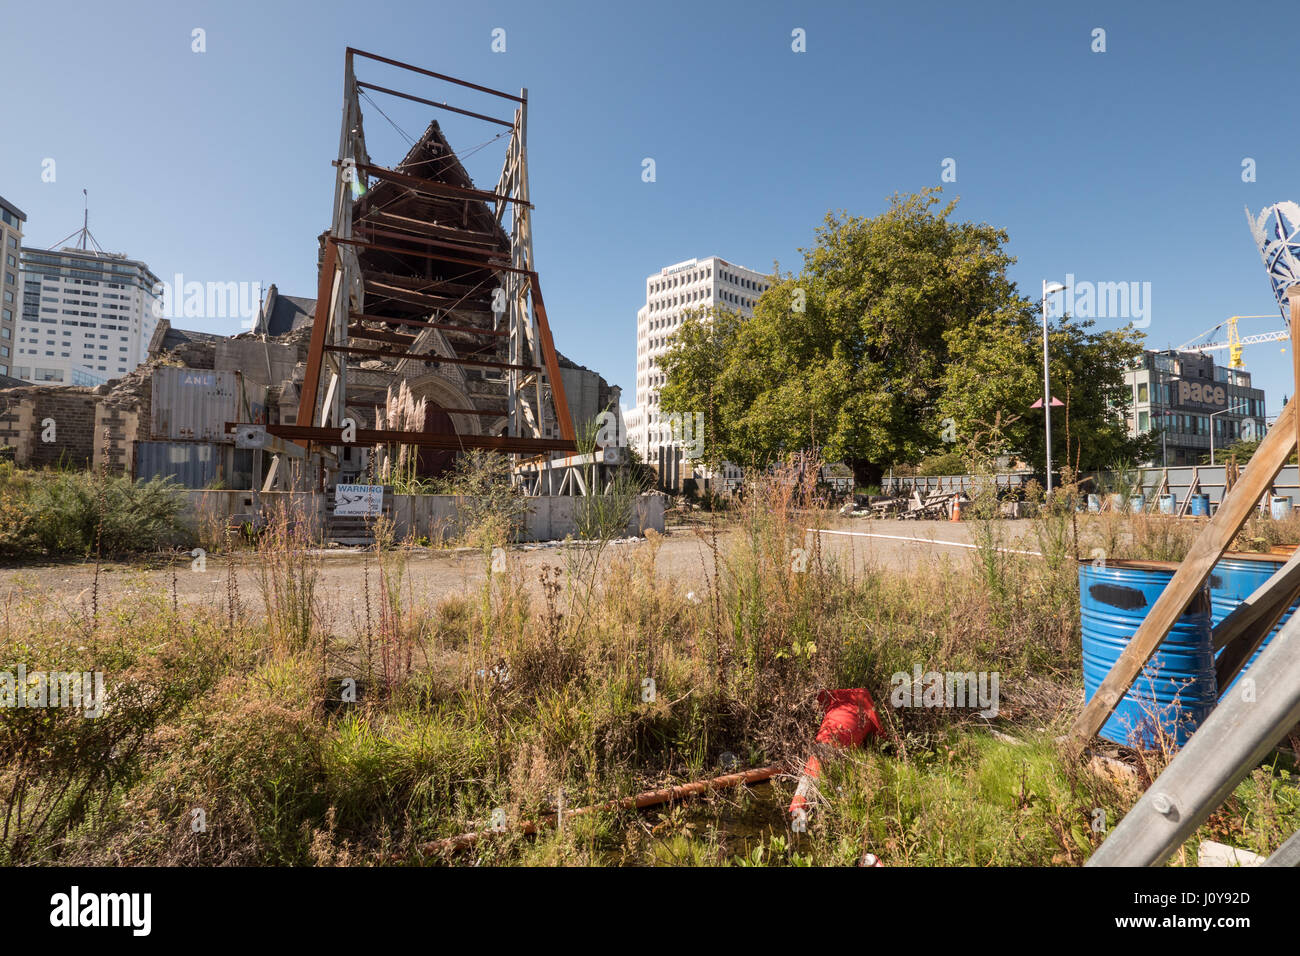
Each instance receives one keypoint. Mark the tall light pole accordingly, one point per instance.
(1231, 408)
(1047, 382)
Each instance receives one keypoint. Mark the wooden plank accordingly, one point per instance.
(1206, 551)
(1235, 655)
(1284, 584)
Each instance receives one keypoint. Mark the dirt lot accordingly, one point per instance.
(685, 556)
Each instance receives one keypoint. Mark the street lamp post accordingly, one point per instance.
(1168, 412)
(1232, 408)
(1047, 384)
(1164, 427)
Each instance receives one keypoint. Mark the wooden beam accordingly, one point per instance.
(1206, 551)
(1249, 640)
(1260, 604)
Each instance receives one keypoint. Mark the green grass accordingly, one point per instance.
(492, 701)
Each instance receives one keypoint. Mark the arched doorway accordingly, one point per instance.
(436, 462)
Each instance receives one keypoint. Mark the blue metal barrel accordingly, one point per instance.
(1200, 505)
(1235, 578)
(1176, 690)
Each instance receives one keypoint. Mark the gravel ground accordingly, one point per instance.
(685, 556)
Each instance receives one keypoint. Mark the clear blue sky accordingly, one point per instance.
(1115, 166)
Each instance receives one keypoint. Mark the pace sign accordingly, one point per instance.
(1202, 394)
(358, 499)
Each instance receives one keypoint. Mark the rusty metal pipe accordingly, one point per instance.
(650, 798)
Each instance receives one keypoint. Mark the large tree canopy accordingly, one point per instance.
(895, 324)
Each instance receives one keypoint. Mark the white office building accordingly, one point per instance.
(11, 241)
(87, 316)
(670, 294)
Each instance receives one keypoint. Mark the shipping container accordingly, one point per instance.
(191, 404)
(195, 464)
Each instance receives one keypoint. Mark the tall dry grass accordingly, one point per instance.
(302, 740)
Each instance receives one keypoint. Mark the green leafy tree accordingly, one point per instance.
(997, 366)
(854, 355)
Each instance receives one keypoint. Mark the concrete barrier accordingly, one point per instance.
(435, 517)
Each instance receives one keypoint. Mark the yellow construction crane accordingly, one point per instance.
(1235, 344)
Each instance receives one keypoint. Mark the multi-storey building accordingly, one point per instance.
(87, 316)
(1197, 404)
(11, 308)
(670, 294)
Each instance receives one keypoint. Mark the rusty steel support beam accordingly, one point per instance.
(422, 324)
(386, 290)
(483, 412)
(384, 217)
(406, 356)
(450, 287)
(431, 187)
(436, 257)
(374, 232)
(436, 105)
(320, 324)
(380, 335)
(437, 76)
(558, 398)
(446, 441)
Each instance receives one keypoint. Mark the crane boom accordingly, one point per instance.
(1235, 342)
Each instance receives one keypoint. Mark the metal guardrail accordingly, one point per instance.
(1212, 480)
(936, 484)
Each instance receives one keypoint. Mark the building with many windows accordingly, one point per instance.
(87, 316)
(670, 294)
(11, 308)
(1199, 405)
